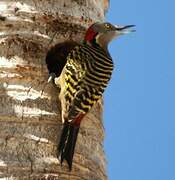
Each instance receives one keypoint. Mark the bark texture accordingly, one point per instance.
(29, 117)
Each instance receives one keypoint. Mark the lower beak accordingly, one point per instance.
(125, 29)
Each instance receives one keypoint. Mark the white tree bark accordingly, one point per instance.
(29, 118)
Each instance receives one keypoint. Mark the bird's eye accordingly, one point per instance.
(107, 26)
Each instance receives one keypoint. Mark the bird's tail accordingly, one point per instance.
(67, 143)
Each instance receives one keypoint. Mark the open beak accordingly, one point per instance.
(125, 29)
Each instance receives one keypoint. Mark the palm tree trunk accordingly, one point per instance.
(29, 117)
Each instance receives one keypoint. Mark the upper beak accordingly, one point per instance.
(125, 29)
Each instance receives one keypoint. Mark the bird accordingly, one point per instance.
(82, 70)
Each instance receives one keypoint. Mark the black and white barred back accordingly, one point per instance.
(87, 73)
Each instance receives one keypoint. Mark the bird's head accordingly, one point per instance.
(103, 33)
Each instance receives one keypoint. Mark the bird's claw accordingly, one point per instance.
(51, 77)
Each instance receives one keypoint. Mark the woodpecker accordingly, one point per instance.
(82, 70)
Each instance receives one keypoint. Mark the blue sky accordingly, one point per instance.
(140, 100)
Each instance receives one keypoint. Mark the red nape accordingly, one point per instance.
(90, 34)
(78, 119)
